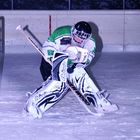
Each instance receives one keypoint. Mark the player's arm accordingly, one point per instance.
(49, 48)
(91, 47)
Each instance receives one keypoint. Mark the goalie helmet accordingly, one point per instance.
(81, 31)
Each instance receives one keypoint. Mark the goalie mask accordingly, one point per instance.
(81, 31)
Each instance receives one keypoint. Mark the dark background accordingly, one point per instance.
(69, 4)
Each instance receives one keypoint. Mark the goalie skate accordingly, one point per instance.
(101, 104)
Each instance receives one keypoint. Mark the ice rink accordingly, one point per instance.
(118, 73)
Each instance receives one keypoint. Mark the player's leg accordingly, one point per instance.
(45, 97)
(86, 86)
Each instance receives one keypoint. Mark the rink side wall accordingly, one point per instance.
(115, 31)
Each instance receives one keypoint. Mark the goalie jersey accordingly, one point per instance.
(61, 39)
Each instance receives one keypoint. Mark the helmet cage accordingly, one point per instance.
(81, 34)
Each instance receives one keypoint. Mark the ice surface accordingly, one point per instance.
(119, 73)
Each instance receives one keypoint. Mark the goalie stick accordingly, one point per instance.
(32, 39)
(37, 45)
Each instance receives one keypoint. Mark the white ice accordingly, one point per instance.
(118, 73)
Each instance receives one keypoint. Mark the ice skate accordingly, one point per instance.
(101, 104)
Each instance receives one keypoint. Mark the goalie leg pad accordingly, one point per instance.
(45, 98)
(86, 86)
(101, 103)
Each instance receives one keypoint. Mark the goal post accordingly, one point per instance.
(2, 34)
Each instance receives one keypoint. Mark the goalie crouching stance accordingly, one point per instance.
(70, 49)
